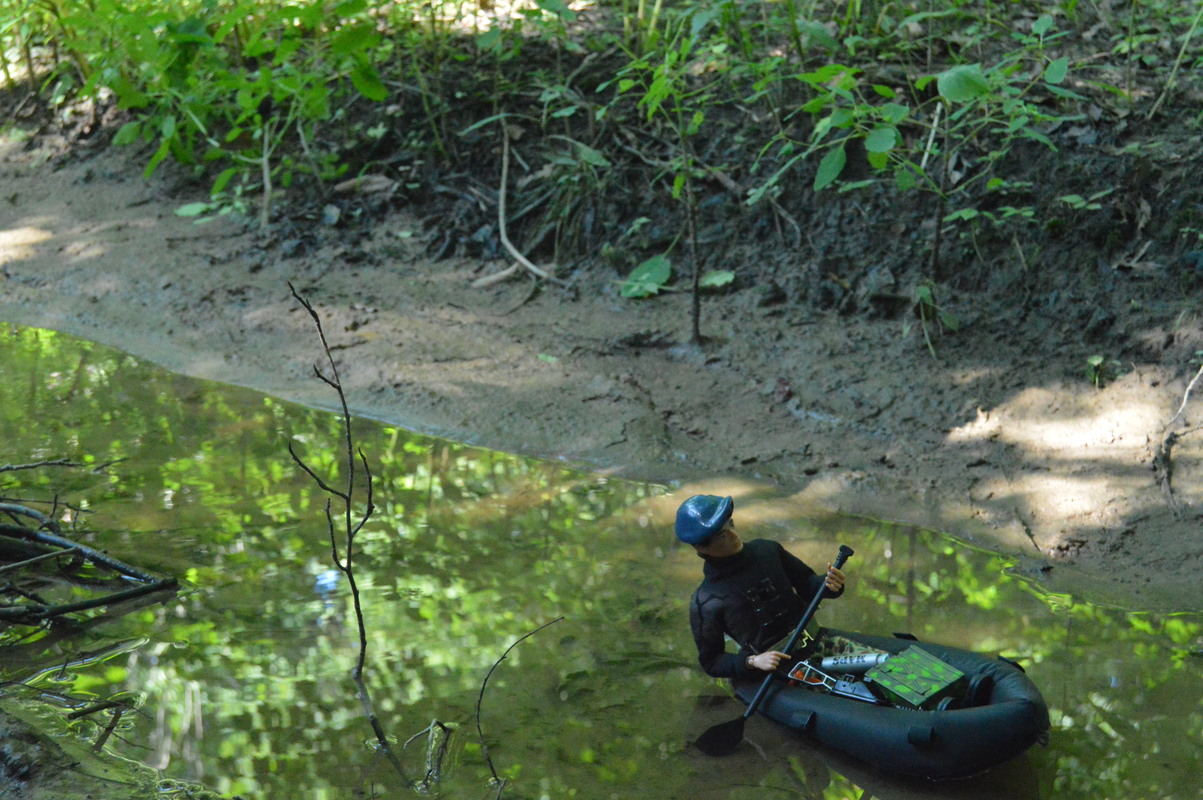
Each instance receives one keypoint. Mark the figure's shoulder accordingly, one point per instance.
(763, 546)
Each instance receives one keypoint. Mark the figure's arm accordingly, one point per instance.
(804, 580)
(706, 623)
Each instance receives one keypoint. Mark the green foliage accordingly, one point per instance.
(648, 278)
(225, 83)
(933, 318)
(242, 679)
(1079, 203)
(1100, 370)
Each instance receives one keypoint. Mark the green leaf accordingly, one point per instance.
(1066, 93)
(557, 8)
(1043, 25)
(648, 278)
(678, 185)
(885, 91)
(855, 185)
(368, 83)
(128, 95)
(127, 133)
(489, 39)
(700, 20)
(193, 209)
(354, 41)
(881, 140)
(816, 33)
(592, 157)
(157, 158)
(905, 179)
(830, 167)
(894, 113)
(962, 84)
(224, 178)
(1056, 71)
(815, 105)
(716, 279)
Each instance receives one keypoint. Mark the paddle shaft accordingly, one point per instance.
(845, 552)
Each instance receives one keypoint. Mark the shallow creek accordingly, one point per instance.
(242, 678)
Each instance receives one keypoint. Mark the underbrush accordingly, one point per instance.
(868, 151)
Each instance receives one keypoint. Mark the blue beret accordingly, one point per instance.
(702, 516)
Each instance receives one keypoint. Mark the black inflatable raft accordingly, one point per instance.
(957, 742)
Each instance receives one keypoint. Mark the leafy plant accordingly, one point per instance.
(978, 109)
(1099, 370)
(932, 317)
(671, 92)
(647, 279)
(1079, 203)
(210, 82)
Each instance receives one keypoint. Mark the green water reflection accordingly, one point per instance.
(244, 677)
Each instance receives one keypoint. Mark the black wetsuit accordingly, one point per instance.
(756, 597)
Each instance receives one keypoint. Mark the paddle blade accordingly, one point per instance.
(722, 738)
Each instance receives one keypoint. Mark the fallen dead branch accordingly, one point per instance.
(54, 540)
(57, 462)
(35, 612)
(523, 261)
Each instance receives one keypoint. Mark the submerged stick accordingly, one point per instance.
(95, 556)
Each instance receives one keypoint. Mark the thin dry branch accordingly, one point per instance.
(1190, 387)
(522, 260)
(1163, 464)
(350, 528)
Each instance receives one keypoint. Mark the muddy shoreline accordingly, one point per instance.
(997, 438)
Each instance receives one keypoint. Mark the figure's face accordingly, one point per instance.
(722, 544)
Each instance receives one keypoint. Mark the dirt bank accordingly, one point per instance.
(999, 437)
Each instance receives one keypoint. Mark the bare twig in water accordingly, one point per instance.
(438, 745)
(58, 462)
(484, 748)
(61, 462)
(95, 556)
(350, 527)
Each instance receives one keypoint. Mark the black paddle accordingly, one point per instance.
(726, 736)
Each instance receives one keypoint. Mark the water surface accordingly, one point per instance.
(243, 678)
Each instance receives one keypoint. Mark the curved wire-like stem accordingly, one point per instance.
(484, 748)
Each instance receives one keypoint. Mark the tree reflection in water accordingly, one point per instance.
(244, 679)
